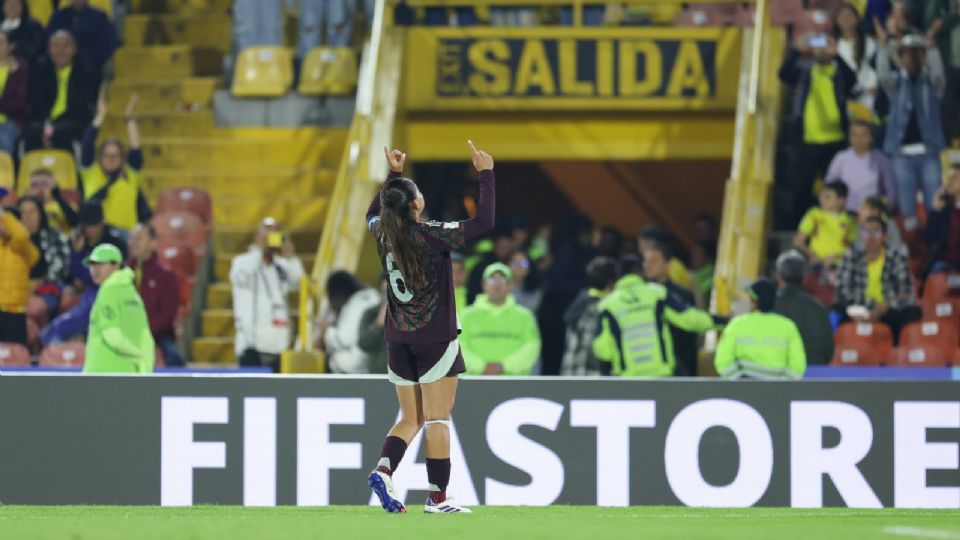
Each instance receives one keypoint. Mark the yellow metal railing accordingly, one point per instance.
(361, 169)
(746, 200)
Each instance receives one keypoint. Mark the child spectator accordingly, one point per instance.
(827, 231)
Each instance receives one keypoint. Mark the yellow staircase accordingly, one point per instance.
(172, 58)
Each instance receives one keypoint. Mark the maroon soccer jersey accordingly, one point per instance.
(429, 316)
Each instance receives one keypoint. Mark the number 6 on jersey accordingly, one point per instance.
(400, 290)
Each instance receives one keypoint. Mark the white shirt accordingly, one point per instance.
(260, 293)
(342, 337)
(867, 81)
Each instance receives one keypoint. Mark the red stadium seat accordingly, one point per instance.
(194, 200)
(14, 355)
(929, 334)
(181, 225)
(177, 255)
(941, 285)
(945, 311)
(917, 356)
(820, 288)
(862, 344)
(63, 355)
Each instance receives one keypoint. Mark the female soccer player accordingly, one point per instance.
(423, 354)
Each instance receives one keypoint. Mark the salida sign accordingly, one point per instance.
(533, 68)
(610, 424)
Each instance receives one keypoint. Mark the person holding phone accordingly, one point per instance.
(943, 224)
(824, 83)
(262, 280)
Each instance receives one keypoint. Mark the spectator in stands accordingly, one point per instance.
(160, 290)
(947, 14)
(500, 337)
(459, 280)
(61, 214)
(608, 241)
(865, 170)
(645, 308)
(94, 33)
(653, 236)
(703, 258)
(564, 275)
(63, 91)
(371, 335)
(119, 340)
(878, 279)
(897, 24)
(858, 50)
(943, 224)
(13, 95)
(823, 83)
(91, 233)
(262, 279)
(827, 231)
(525, 286)
(503, 248)
(875, 207)
(705, 228)
(17, 256)
(114, 179)
(583, 319)
(24, 31)
(52, 268)
(348, 301)
(796, 304)
(656, 269)
(914, 136)
(761, 344)
(257, 23)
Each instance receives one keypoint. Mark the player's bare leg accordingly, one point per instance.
(395, 445)
(438, 400)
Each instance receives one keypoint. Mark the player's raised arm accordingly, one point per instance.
(486, 208)
(396, 159)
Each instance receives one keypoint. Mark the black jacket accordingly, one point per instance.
(84, 85)
(937, 234)
(812, 321)
(30, 40)
(795, 72)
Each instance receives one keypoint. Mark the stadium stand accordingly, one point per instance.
(862, 344)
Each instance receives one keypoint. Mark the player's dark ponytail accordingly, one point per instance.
(396, 217)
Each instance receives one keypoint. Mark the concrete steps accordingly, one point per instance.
(211, 7)
(198, 30)
(163, 93)
(312, 151)
(163, 123)
(241, 182)
(213, 350)
(168, 61)
(219, 322)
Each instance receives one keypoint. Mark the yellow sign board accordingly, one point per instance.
(572, 69)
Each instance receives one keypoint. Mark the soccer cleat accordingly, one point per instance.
(382, 486)
(445, 507)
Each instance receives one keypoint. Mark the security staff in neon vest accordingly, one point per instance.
(761, 344)
(634, 338)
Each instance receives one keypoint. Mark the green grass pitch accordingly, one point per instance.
(487, 523)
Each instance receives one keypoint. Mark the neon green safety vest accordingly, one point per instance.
(634, 335)
(761, 346)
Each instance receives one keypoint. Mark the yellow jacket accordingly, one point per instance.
(120, 205)
(17, 256)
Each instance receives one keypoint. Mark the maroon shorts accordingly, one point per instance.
(409, 364)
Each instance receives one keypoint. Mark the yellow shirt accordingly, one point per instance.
(830, 233)
(120, 206)
(821, 116)
(679, 274)
(4, 73)
(63, 88)
(874, 278)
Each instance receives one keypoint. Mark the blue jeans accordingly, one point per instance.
(171, 355)
(9, 133)
(332, 18)
(911, 173)
(257, 22)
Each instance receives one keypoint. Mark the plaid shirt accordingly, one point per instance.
(896, 282)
